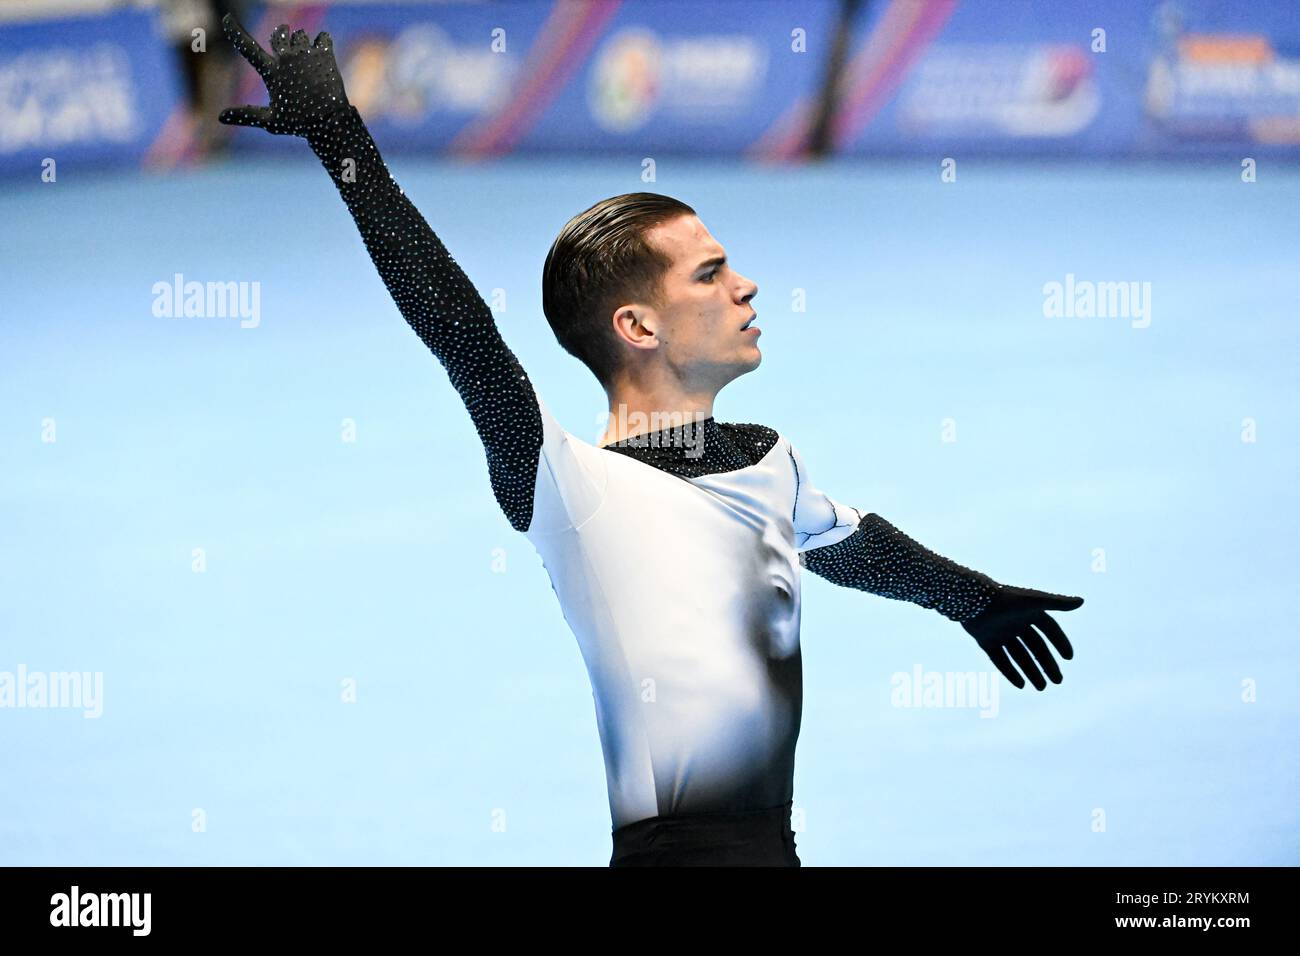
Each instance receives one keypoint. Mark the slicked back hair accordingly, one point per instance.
(599, 261)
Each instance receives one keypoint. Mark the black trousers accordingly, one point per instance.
(742, 838)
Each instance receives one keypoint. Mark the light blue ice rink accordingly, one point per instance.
(386, 560)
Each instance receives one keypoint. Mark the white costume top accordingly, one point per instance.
(684, 596)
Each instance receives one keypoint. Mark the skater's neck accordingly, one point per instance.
(636, 410)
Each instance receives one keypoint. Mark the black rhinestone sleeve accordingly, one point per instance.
(440, 303)
(879, 558)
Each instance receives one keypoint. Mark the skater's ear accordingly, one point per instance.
(636, 327)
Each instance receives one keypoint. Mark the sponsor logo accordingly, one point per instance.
(1018, 90)
(1221, 86)
(637, 75)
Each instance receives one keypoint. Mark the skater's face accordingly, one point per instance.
(698, 328)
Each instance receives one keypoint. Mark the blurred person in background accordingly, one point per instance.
(208, 67)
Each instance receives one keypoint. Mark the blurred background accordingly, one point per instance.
(1028, 279)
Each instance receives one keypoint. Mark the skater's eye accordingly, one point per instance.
(713, 266)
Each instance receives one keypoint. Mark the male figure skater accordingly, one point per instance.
(675, 553)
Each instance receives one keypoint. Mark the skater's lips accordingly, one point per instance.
(748, 321)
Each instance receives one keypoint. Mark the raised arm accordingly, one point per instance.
(876, 557)
(434, 295)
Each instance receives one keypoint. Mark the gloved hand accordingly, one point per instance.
(302, 79)
(1007, 625)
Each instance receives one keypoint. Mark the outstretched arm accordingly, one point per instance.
(434, 295)
(878, 558)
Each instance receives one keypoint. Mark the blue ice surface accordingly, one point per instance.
(1091, 456)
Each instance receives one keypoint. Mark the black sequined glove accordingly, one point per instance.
(1007, 627)
(302, 78)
